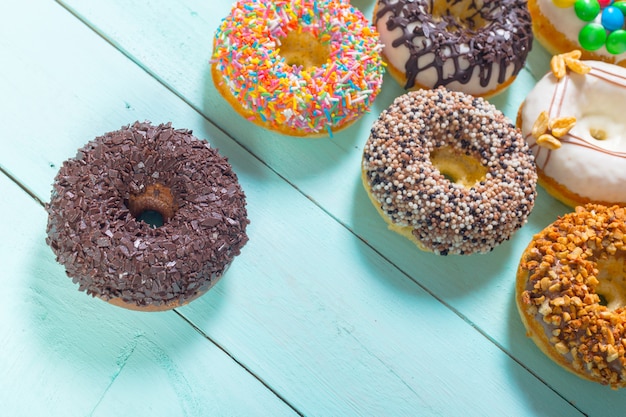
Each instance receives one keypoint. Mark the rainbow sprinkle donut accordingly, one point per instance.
(299, 67)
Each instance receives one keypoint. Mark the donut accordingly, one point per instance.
(477, 47)
(100, 228)
(573, 120)
(596, 27)
(306, 68)
(571, 292)
(449, 171)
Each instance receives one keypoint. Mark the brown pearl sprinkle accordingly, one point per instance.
(571, 292)
(417, 199)
(95, 229)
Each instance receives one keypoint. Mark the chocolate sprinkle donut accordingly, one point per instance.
(418, 199)
(96, 230)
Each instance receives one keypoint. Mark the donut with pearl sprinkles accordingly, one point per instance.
(571, 292)
(449, 171)
(305, 68)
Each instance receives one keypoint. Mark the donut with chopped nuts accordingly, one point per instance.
(147, 217)
(571, 292)
(449, 171)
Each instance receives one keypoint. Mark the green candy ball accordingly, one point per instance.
(592, 36)
(621, 5)
(616, 42)
(587, 10)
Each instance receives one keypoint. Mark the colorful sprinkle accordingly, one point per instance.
(311, 100)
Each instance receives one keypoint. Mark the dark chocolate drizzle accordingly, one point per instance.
(109, 252)
(487, 48)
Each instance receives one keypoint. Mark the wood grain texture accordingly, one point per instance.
(66, 354)
(327, 307)
(325, 171)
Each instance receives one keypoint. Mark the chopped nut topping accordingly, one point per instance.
(592, 336)
(561, 348)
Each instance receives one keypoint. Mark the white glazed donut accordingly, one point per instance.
(590, 164)
(557, 27)
(473, 46)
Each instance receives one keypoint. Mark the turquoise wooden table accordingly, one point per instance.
(325, 313)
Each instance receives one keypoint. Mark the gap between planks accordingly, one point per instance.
(162, 82)
(185, 319)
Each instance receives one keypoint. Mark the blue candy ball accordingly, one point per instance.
(612, 18)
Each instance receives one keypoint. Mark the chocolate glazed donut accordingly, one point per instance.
(473, 46)
(99, 198)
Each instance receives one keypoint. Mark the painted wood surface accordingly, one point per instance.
(326, 312)
(65, 354)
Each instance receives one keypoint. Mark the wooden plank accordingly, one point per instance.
(322, 318)
(64, 353)
(327, 172)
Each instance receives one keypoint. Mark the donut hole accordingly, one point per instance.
(154, 206)
(612, 287)
(458, 168)
(607, 128)
(459, 15)
(598, 133)
(303, 49)
(603, 301)
(152, 217)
